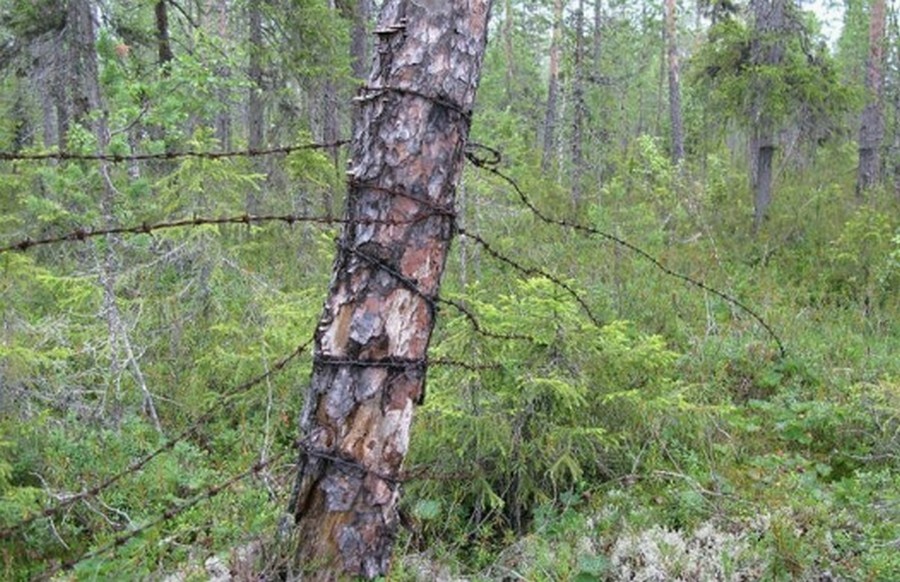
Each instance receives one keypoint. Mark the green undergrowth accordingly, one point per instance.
(611, 421)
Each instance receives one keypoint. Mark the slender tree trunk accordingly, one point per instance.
(256, 135)
(871, 130)
(580, 108)
(45, 54)
(23, 130)
(509, 52)
(83, 75)
(896, 146)
(767, 50)
(674, 84)
(598, 131)
(223, 117)
(163, 44)
(550, 117)
(88, 105)
(331, 124)
(359, 12)
(371, 343)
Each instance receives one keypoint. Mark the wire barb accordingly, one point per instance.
(492, 168)
(121, 158)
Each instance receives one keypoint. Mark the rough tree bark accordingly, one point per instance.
(550, 117)
(871, 130)
(674, 84)
(371, 342)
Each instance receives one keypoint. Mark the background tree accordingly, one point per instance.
(674, 83)
(871, 127)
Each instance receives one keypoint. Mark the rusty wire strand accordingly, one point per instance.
(171, 512)
(138, 465)
(83, 234)
(533, 272)
(491, 165)
(6, 156)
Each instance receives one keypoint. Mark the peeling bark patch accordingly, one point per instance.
(339, 400)
(378, 491)
(407, 324)
(354, 442)
(370, 383)
(420, 263)
(365, 326)
(334, 336)
(395, 434)
(405, 388)
(340, 491)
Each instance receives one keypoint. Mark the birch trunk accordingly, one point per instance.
(371, 342)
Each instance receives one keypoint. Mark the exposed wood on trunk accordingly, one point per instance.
(373, 337)
(550, 117)
(674, 84)
(871, 130)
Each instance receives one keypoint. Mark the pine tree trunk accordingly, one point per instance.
(509, 52)
(896, 146)
(223, 117)
(550, 117)
(359, 13)
(372, 340)
(674, 84)
(163, 43)
(767, 50)
(871, 130)
(580, 109)
(83, 76)
(256, 135)
(598, 131)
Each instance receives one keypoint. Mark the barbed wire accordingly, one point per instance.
(83, 234)
(534, 272)
(170, 513)
(490, 163)
(138, 465)
(488, 159)
(6, 156)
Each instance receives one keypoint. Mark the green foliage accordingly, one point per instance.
(673, 436)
